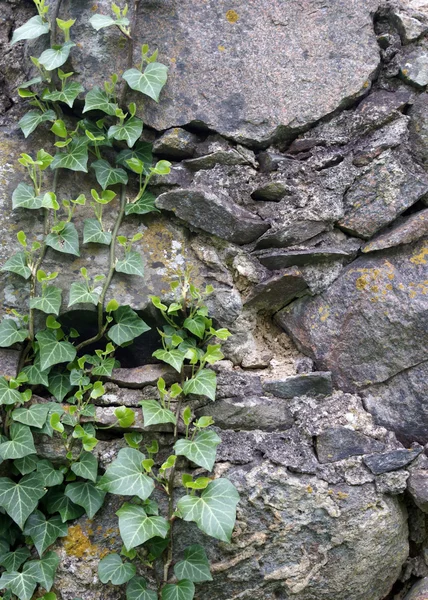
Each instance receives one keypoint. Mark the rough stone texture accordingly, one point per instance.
(418, 489)
(276, 292)
(409, 27)
(391, 461)
(338, 443)
(292, 234)
(419, 591)
(281, 259)
(176, 144)
(9, 360)
(414, 69)
(408, 230)
(309, 384)
(144, 375)
(419, 127)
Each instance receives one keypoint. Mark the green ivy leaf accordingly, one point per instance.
(111, 568)
(143, 206)
(195, 325)
(195, 566)
(129, 131)
(59, 385)
(75, 158)
(67, 241)
(27, 464)
(137, 590)
(214, 512)
(100, 21)
(18, 264)
(94, 234)
(79, 293)
(87, 495)
(128, 326)
(155, 414)
(35, 416)
(20, 584)
(20, 499)
(105, 367)
(32, 119)
(56, 56)
(142, 151)
(150, 82)
(204, 383)
(174, 358)
(32, 29)
(10, 334)
(125, 416)
(52, 351)
(106, 175)
(49, 302)
(25, 197)
(50, 476)
(7, 394)
(21, 443)
(44, 571)
(68, 95)
(56, 501)
(132, 264)
(13, 560)
(35, 375)
(125, 476)
(97, 99)
(183, 590)
(44, 532)
(136, 527)
(202, 450)
(87, 467)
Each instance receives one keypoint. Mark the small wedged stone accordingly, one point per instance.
(417, 486)
(419, 591)
(338, 443)
(414, 69)
(176, 144)
(393, 483)
(307, 384)
(418, 128)
(409, 27)
(277, 291)
(139, 377)
(274, 191)
(214, 214)
(391, 461)
(217, 151)
(9, 360)
(293, 233)
(407, 231)
(276, 260)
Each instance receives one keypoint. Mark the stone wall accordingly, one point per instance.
(298, 133)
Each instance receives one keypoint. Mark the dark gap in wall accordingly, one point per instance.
(417, 207)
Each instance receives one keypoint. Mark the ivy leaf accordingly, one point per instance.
(204, 383)
(195, 325)
(202, 450)
(56, 56)
(111, 568)
(105, 368)
(49, 302)
(100, 21)
(56, 501)
(21, 443)
(68, 95)
(155, 414)
(87, 467)
(35, 416)
(32, 29)
(97, 99)
(137, 590)
(87, 495)
(13, 560)
(174, 358)
(129, 131)
(43, 570)
(125, 416)
(25, 197)
(18, 264)
(27, 464)
(35, 375)
(150, 82)
(67, 241)
(59, 385)
(32, 119)
(214, 512)
(142, 151)
(44, 532)
(20, 499)
(143, 206)
(93, 233)
(183, 590)
(10, 334)
(50, 476)
(75, 158)
(79, 293)
(128, 326)
(7, 394)
(132, 264)
(136, 527)
(20, 584)
(106, 175)
(53, 352)
(125, 476)
(195, 566)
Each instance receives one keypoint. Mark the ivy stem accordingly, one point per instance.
(130, 57)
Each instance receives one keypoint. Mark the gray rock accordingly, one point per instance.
(414, 69)
(139, 377)
(215, 214)
(276, 292)
(409, 28)
(232, 384)
(217, 151)
(281, 259)
(338, 443)
(307, 384)
(391, 461)
(393, 483)
(419, 591)
(273, 191)
(294, 233)
(9, 360)
(418, 489)
(304, 365)
(418, 127)
(371, 322)
(408, 230)
(176, 144)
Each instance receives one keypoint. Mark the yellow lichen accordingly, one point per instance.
(361, 283)
(221, 48)
(420, 259)
(232, 16)
(78, 544)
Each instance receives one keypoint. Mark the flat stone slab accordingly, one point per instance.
(306, 384)
(214, 214)
(293, 233)
(281, 259)
(414, 69)
(417, 486)
(418, 127)
(277, 291)
(391, 461)
(176, 144)
(140, 377)
(338, 443)
(409, 230)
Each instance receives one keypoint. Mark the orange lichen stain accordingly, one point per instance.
(342, 495)
(420, 259)
(361, 283)
(324, 313)
(94, 7)
(309, 489)
(374, 288)
(78, 544)
(391, 276)
(389, 286)
(221, 48)
(173, 60)
(366, 84)
(232, 16)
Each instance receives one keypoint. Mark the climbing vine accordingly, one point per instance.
(38, 497)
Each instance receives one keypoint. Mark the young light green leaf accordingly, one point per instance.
(183, 590)
(142, 152)
(204, 383)
(106, 175)
(125, 416)
(68, 95)
(50, 476)
(67, 241)
(27, 464)
(195, 566)
(24, 197)
(21, 443)
(155, 414)
(128, 326)
(52, 351)
(20, 584)
(131, 264)
(18, 264)
(143, 206)
(75, 158)
(125, 475)
(86, 467)
(87, 495)
(59, 385)
(79, 293)
(195, 325)
(32, 29)
(174, 358)
(49, 302)
(97, 99)
(56, 501)
(202, 450)
(56, 56)
(214, 512)
(111, 568)
(100, 21)
(137, 590)
(44, 532)
(94, 234)
(44, 572)
(10, 334)
(21, 498)
(129, 131)
(150, 82)
(32, 119)
(136, 527)
(35, 416)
